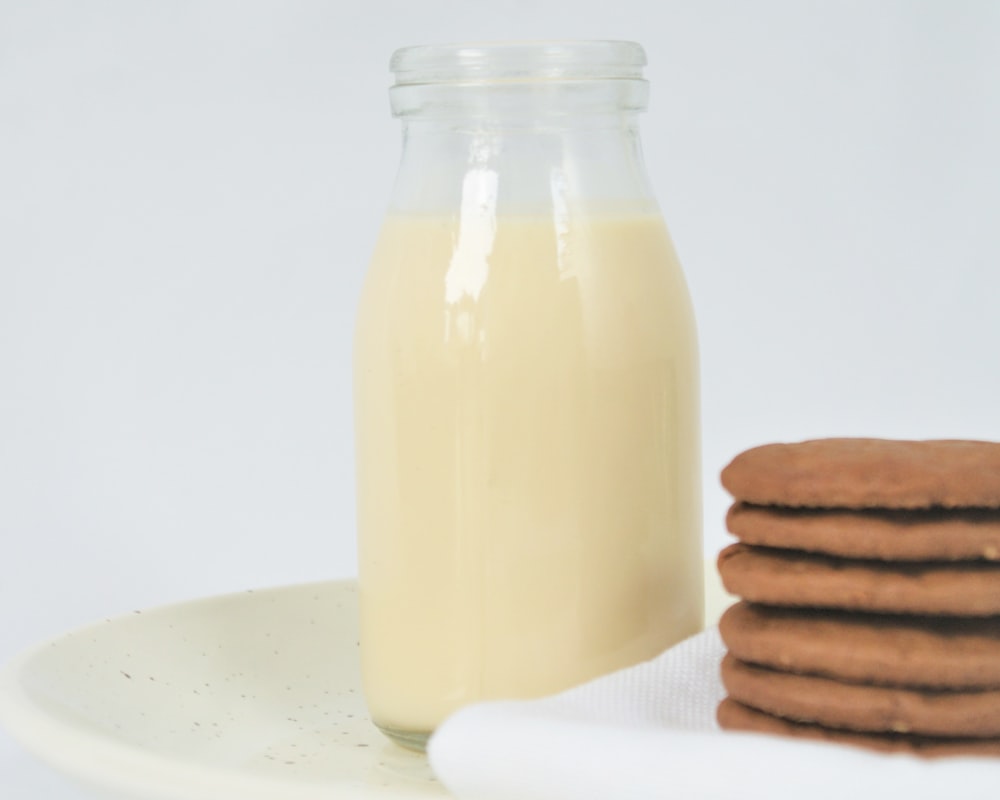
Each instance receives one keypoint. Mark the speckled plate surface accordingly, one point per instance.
(251, 696)
(245, 696)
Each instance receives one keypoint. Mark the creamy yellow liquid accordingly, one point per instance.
(528, 475)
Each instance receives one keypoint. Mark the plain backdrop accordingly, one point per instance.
(189, 192)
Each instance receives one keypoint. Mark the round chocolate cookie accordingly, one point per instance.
(894, 650)
(735, 716)
(803, 580)
(860, 707)
(868, 473)
(888, 535)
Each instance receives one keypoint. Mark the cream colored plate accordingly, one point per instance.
(242, 697)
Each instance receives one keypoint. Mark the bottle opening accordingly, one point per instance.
(503, 80)
(518, 61)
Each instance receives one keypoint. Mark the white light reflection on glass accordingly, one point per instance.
(477, 227)
(469, 266)
(560, 217)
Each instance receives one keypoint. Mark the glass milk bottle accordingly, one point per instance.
(526, 389)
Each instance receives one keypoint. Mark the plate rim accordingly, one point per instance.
(127, 768)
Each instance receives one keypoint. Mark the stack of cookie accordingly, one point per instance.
(869, 572)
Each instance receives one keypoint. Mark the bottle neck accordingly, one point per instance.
(521, 128)
(523, 164)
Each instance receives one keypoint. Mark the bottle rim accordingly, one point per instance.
(516, 62)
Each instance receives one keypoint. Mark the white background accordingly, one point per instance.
(189, 192)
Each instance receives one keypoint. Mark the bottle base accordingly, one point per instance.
(411, 740)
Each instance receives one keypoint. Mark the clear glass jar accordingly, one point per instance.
(526, 389)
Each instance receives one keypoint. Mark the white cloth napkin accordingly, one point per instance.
(649, 732)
